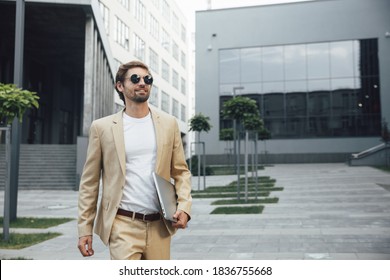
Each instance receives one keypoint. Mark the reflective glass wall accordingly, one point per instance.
(328, 89)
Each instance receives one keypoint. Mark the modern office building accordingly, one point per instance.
(72, 50)
(318, 71)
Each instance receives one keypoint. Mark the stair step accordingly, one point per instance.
(44, 166)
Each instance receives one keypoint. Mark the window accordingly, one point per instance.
(156, 3)
(154, 28)
(125, 3)
(166, 10)
(175, 79)
(183, 60)
(183, 33)
(175, 50)
(165, 71)
(153, 61)
(175, 23)
(326, 89)
(183, 86)
(165, 102)
(139, 48)
(165, 40)
(183, 115)
(121, 33)
(106, 17)
(153, 99)
(140, 12)
(175, 108)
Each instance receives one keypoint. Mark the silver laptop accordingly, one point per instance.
(167, 197)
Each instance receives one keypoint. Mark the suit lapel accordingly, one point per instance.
(159, 141)
(117, 131)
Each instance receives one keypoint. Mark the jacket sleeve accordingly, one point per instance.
(180, 173)
(89, 184)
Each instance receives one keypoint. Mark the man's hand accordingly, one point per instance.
(182, 219)
(85, 246)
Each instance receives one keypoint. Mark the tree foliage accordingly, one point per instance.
(200, 123)
(226, 134)
(239, 108)
(15, 101)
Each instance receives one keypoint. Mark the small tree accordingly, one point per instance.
(13, 104)
(199, 123)
(15, 101)
(238, 108)
(251, 122)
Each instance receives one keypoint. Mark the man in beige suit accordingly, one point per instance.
(123, 151)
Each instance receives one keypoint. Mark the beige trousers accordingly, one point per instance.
(138, 240)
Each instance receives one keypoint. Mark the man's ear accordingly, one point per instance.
(119, 86)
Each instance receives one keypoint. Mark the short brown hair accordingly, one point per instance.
(120, 75)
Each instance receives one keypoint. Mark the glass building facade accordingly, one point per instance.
(327, 89)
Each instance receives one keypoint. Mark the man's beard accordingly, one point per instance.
(140, 98)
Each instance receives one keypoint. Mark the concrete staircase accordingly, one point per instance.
(44, 167)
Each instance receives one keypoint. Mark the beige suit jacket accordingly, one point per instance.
(106, 166)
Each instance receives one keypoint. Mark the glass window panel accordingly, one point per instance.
(342, 84)
(369, 57)
(228, 89)
(229, 66)
(295, 62)
(251, 65)
(341, 59)
(276, 126)
(344, 102)
(175, 108)
(318, 64)
(165, 102)
(319, 103)
(273, 87)
(272, 63)
(315, 85)
(251, 88)
(295, 127)
(183, 113)
(295, 86)
(356, 58)
(153, 99)
(319, 126)
(274, 105)
(296, 104)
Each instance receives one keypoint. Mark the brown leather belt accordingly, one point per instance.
(139, 216)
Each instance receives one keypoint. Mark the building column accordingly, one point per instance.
(88, 76)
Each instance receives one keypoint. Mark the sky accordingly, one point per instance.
(188, 7)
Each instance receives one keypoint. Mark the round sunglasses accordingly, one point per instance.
(148, 79)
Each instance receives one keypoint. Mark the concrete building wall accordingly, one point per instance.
(284, 24)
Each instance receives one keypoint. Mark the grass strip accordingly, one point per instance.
(242, 201)
(30, 222)
(234, 189)
(239, 210)
(20, 241)
(226, 195)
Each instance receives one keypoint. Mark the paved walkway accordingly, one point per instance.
(326, 211)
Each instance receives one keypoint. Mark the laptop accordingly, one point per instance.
(167, 197)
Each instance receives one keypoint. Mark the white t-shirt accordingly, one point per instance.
(139, 194)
